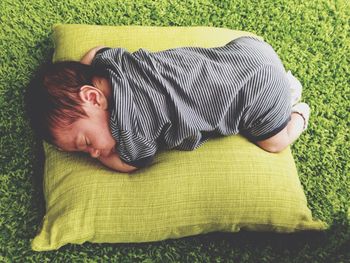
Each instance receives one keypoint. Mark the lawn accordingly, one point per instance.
(313, 40)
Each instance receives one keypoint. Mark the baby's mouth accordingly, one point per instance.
(112, 151)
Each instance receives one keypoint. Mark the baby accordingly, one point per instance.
(123, 107)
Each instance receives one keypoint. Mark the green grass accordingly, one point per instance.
(312, 39)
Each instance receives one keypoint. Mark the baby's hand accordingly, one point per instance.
(89, 56)
(114, 162)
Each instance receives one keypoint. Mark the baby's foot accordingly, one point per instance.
(304, 111)
(295, 88)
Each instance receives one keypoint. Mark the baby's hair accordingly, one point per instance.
(52, 98)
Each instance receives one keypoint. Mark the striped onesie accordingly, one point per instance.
(178, 98)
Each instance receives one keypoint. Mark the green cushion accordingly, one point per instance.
(73, 41)
(227, 184)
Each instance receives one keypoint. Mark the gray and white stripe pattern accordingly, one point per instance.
(178, 98)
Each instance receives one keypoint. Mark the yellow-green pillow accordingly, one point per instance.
(227, 184)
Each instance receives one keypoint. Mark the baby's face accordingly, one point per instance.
(91, 135)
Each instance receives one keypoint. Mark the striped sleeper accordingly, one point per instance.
(181, 97)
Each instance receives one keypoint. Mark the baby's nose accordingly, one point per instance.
(95, 153)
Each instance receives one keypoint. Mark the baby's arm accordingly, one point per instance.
(114, 162)
(88, 57)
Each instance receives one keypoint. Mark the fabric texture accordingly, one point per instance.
(179, 98)
(227, 184)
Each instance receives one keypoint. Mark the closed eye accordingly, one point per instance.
(87, 141)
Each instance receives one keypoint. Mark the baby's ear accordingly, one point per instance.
(93, 96)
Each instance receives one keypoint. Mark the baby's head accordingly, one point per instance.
(67, 103)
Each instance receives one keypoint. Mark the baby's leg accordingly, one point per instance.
(297, 124)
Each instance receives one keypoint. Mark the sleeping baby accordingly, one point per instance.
(123, 107)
